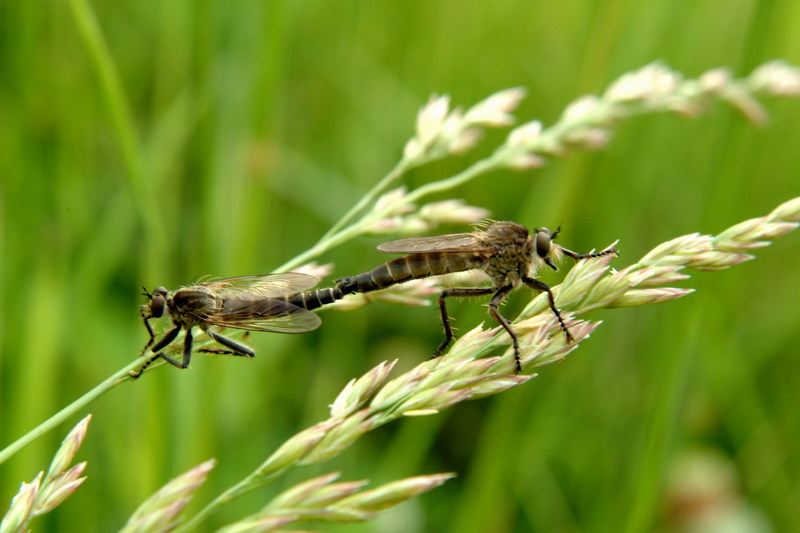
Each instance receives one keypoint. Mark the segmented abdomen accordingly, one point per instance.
(317, 298)
(414, 266)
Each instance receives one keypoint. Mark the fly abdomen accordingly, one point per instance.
(314, 299)
(380, 277)
(414, 266)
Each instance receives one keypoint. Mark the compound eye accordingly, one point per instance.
(543, 242)
(157, 305)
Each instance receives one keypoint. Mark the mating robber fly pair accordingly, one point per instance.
(505, 251)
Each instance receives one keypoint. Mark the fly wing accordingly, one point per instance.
(454, 242)
(264, 314)
(300, 322)
(264, 286)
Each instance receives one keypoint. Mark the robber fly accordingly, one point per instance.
(273, 302)
(506, 251)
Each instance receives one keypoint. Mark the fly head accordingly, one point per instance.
(158, 301)
(544, 247)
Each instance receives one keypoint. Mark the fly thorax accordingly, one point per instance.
(508, 264)
(509, 259)
(191, 304)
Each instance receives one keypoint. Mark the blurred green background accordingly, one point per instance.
(257, 124)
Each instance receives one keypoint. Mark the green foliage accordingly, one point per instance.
(225, 139)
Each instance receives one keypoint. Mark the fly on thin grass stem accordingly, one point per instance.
(506, 251)
(273, 302)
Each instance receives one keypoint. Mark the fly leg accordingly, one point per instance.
(465, 292)
(220, 351)
(537, 285)
(165, 341)
(494, 304)
(150, 342)
(577, 257)
(235, 347)
(187, 352)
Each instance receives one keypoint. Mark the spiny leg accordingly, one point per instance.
(577, 257)
(494, 304)
(235, 347)
(537, 285)
(165, 341)
(218, 351)
(136, 374)
(466, 292)
(187, 352)
(150, 331)
(221, 351)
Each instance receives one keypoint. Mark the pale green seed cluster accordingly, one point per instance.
(48, 491)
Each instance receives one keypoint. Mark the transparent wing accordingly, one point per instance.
(263, 314)
(265, 286)
(454, 242)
